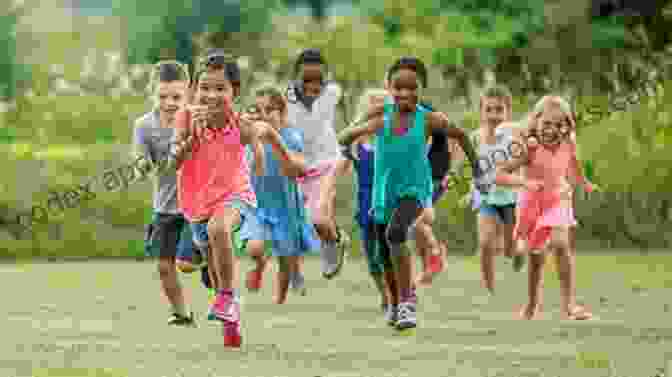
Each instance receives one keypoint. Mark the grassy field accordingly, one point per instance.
(107, 319)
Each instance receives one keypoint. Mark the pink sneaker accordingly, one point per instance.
(227, 309)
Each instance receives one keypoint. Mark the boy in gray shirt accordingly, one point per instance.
(168, 236)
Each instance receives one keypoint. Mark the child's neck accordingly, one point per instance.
(488, 134)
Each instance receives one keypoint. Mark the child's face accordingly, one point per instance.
(214, 89)
(494, 110)
(312, 79)
(171, 97)
(404, 89)
(551, 124)
(269, 110)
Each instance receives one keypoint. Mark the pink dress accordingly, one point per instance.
(215, 176)
(540, 211)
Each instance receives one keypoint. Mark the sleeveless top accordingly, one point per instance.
(215, 174)
(401, 166)
(488, 156)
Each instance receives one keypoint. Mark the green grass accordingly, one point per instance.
(89, 319)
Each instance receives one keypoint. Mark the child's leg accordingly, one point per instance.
(282, 280)
(506, 225)
(374, 262)
(220, 232)
(334, 240)
(535, 285)
(566, 266)
(168, 228)
(397, 231)
(256, 250)
(487, 241)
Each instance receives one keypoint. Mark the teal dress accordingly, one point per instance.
(401, 166)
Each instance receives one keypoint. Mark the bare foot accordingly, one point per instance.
(528, 312)
(424, 279)
(578, 313)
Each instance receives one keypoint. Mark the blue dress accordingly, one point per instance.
(281, 216)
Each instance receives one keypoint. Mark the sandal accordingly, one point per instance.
(579, 313)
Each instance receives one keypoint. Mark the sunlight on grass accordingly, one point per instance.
(78, 372)
(63, 280)
(593, 360)
(61, 152)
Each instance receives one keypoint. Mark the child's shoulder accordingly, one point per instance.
(146, 120)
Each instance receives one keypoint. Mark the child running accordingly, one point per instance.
(281, 216)
(402, 174)
(215, 193)
(363, 161)
(312, 109)
(545, 213)
(496, 205)
(169, 231)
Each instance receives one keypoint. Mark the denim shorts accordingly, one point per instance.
(199, 230)
(505, 214)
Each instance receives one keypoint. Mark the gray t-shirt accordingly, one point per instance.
(154, 142)
(488, 157)
(317, 126)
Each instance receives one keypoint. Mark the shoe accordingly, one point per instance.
(232, 336)
(518, 262)
(392, 315)
(406, 317)
(298, 284)
(211, 300)
(180, 320)
(254, 279)
(333, 255)
(227, 310)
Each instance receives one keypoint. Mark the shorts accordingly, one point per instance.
(199, 230)
(505, 214)
(169, 236)
(310, 185)
(374, 259)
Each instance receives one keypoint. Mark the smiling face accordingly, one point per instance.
(404, 88)
(552, 125)
(214, 89)
(494, 111)
(312, 79)
(170, 96)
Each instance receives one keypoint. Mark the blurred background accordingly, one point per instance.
(75, 74)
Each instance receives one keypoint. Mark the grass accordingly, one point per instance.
(108, 319)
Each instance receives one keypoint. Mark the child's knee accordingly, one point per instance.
(166, 266)
(220, 232)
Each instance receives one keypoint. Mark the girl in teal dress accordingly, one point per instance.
(403, 185)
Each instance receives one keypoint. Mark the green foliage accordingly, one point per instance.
(11, 72)
(168, 31)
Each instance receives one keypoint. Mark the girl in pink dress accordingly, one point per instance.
(545, 212)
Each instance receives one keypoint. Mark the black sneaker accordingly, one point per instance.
(180, 320)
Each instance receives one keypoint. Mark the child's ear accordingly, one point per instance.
(236, 90)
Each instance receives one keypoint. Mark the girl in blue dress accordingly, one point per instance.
(281, 217)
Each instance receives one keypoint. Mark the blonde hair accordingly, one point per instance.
(551, 101)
